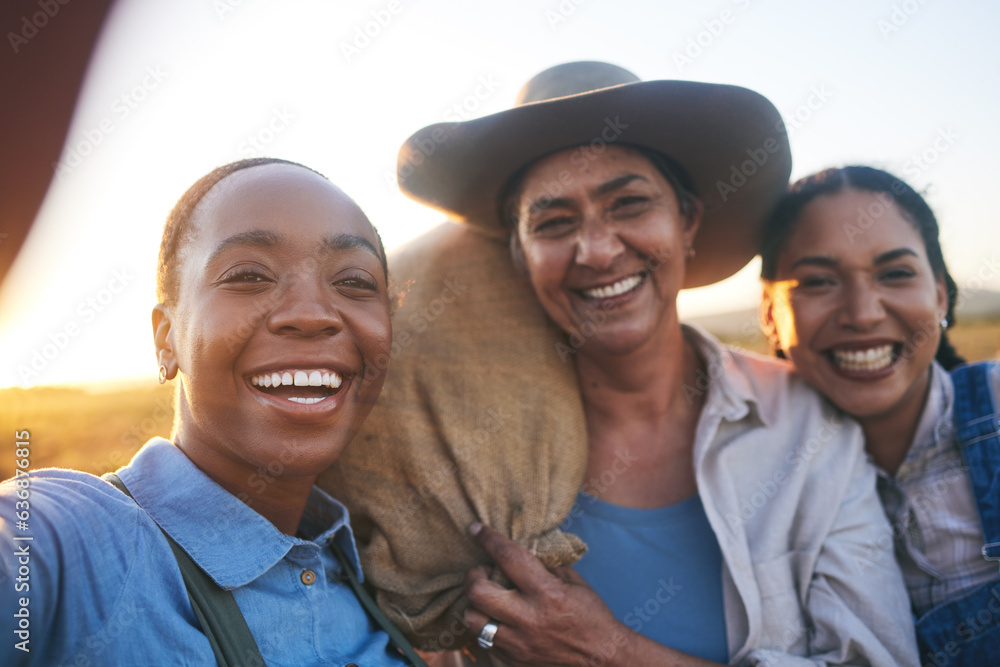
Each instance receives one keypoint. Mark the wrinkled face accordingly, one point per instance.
(604, 244)
(855, 305)
(281, 318)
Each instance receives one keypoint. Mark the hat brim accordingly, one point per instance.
(731, 141)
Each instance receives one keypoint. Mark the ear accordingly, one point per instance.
(163, 339)
(942, 296)
(765, 314)
(693, 221)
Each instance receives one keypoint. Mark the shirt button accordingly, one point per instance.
(308, 577)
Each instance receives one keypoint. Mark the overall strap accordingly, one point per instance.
(397, 638)
(977, 427)
(216, 608)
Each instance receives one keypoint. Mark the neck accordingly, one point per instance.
(279, 499)
(645, 386)
(889, 436)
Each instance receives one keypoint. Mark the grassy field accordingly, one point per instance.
(99, 431)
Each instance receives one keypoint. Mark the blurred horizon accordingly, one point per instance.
(175, 89)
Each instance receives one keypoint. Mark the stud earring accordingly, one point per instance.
(163, 374)
(690, 252)
(944, 323)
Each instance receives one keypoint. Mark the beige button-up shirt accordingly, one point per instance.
(791, 497)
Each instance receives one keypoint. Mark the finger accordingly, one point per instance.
(477, 573)
(570, 576)
(475, 620)
(492, 600)
(526, 571)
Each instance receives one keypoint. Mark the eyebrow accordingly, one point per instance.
(831, 262)
(544, 202)
(257, 238)
(266, 239)
(348, 242)
(619, 182)
(895, 254)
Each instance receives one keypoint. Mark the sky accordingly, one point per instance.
(176, 89)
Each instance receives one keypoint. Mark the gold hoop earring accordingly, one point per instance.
(163, 374)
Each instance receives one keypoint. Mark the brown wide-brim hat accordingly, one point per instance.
(730, 140)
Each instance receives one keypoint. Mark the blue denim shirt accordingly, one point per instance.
(102, 586)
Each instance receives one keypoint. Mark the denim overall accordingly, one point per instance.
(966, 631)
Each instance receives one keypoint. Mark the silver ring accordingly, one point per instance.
(487, 634)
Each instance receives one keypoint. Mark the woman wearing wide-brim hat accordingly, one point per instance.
(729, 512)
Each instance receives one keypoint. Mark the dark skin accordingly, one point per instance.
(282, 275)
(553, 618)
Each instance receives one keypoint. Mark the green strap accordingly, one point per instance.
(216, 608)
(397, 638)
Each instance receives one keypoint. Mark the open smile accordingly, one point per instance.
(866, 361)
(305, 386)
(617, 288)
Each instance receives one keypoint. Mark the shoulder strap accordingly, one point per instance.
(397, 638)
(216, 608)
(977, 427)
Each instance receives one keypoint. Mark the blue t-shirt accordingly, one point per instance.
(658, 570)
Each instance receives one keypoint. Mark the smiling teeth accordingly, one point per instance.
(298, 378)
(608, 291)
(872, 359)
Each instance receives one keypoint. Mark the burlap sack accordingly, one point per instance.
(480, 420)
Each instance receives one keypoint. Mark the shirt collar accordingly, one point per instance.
(935, 425)
(730, 390)
(231, 542)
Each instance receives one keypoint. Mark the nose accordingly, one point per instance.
(304, 308)
(597, 244)
(862, 308)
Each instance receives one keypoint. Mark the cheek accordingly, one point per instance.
(373, 327)
(546, 264)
